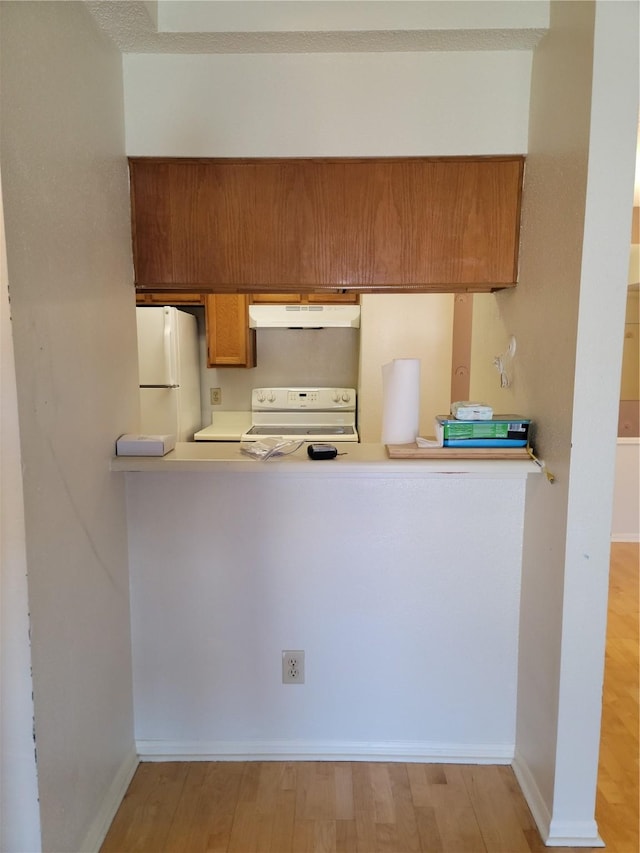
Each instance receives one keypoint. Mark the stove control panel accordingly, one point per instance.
(302, 399)
(296, 399)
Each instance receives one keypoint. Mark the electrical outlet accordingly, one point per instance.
(293, 667)
(215, 395)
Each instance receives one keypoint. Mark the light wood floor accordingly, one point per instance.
(617, 810)
(295, 807)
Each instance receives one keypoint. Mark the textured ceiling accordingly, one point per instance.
(129, 25)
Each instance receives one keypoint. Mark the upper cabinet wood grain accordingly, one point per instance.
(304, 225)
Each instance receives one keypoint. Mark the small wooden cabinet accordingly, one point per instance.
(301, 225)
(230, 341)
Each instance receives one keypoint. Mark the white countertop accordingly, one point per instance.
(358, 459)
(225, 426)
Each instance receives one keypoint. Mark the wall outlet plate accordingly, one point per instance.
(215, 396)
(293, 666)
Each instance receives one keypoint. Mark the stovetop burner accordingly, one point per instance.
(311, 431)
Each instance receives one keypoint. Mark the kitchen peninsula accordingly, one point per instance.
(399, 579)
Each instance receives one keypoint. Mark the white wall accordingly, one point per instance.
(567, 315)
(302, 16)
(286, 105)
(406, 326)
(19, 815)
(65, 198)
(409, 632)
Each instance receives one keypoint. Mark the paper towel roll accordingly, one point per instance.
(401, 400)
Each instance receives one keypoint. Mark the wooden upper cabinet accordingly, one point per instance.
(230, 341)
(307, 224)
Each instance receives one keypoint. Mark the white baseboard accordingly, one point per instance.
(554, 833)
(411, 751)
(118, 788)
(574, 833)
(625, 537)
(531, 792)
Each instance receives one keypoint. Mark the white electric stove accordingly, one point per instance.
(314, 414)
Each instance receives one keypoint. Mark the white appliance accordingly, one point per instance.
(316, 414)
(169, 372)
(311, 316)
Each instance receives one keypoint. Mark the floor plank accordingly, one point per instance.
(149, 810)
(493, 805)
(618, 795)
(344, 792)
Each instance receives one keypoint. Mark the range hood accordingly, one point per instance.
(304, 316)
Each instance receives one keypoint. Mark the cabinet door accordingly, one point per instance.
(299, 239)
(151, 222)
(230, 341)
(192, 223)
(418, 222)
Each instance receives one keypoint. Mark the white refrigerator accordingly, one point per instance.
(169, 372)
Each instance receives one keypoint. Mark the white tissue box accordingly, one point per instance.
(145, 445)
(468, 411)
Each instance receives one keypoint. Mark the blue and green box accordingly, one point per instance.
(500, 431)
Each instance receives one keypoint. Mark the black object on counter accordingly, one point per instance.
(322, 451)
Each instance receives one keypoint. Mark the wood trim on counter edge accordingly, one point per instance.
(489, 287)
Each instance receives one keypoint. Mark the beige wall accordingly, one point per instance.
(19, 815)
(291, 16)
(65, 198)
(314, 104)
(406, 326)
(567, 316)
(542, 315)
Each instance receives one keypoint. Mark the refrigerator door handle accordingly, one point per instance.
(170, 387)
(169, 350)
